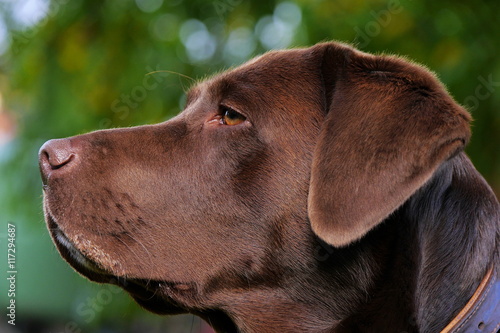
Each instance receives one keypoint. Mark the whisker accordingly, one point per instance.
(172, 72)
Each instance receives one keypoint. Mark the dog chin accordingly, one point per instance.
(144, 291)
(76, 255)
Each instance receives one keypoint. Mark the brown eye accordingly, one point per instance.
(231, 117)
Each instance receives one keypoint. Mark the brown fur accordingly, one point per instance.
(343, 203)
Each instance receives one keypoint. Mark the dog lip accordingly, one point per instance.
(136, 285)
(72, 254)
(77, 258)
(145, 291)
(76, 254)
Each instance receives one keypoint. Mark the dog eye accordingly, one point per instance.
(231, 117)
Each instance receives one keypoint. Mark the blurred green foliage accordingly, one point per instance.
(94, 64)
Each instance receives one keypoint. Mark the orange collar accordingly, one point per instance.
(482, 311)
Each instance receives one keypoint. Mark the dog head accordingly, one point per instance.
(224, 199)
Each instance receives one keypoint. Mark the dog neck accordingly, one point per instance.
(320, 286)
(385, 274)
(455, 243)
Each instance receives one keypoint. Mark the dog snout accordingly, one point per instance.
(55, 156)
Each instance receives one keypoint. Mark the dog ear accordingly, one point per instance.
(389, 124)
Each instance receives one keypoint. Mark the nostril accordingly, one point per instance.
(55, 154)
(58, 159)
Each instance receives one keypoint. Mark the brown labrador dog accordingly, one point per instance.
(309, 190)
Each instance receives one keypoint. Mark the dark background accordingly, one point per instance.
(71, 66)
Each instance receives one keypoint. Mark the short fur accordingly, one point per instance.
(343, 203)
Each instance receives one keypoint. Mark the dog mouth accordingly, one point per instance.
(146, 292)
(76, 255)
(86, 266)
(76, 258)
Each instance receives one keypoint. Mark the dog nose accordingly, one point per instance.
(54, 155)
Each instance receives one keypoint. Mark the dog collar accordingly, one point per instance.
(482, 311)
